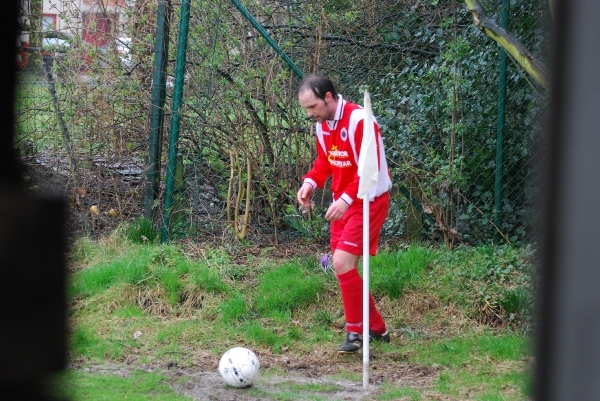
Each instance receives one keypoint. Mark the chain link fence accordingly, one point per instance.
(244, 142)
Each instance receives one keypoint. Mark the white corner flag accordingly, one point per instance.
(368, 171)
(368, 166)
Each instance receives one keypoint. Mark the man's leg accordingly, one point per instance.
(351, 288)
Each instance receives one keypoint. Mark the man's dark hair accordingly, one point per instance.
(318, 84)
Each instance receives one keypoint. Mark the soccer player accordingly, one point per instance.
(339, 137)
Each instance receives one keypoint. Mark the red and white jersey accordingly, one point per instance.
(338, 147)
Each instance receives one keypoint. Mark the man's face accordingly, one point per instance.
(317, 109)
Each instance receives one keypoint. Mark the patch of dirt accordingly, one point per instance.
(309, 377)
(329, 363)
(209, 386)
(115, 196)
(111, 191)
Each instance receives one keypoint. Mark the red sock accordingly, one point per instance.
(351, 287)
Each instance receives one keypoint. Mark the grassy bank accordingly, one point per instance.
(458, 319)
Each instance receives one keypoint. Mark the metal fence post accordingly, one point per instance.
(500, 132)
(268, 38)
(161, 46)
(184, 24)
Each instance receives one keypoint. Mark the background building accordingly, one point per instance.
(92, 21)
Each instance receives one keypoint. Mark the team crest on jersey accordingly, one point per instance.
(344, 134)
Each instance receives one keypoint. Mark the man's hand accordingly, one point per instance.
(304, 194)
(336, 210)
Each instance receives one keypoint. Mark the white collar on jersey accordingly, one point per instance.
(338, 113)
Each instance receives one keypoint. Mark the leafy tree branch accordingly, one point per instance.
(511, 44)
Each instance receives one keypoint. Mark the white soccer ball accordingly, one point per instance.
(239, 367)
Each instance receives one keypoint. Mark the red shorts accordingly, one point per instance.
(347, 232)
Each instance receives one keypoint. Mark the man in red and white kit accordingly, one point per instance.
(339, 138)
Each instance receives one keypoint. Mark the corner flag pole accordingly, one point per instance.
(368, 171)
(366, 268)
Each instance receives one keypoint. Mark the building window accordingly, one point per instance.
(48, 22)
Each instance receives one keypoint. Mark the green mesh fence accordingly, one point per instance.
(245, 142)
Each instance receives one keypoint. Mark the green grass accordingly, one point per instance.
(485, 361)
(256, 334)
(139, 386)
(35, 118)
(500, 277)
(129, 311)
(141, 231)
(391, 392)
(234, 308)
(286, 287)
(392, 272)
(132, 268)
(85, 342)
(180, 305)
(207, 278)
(462, 351)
